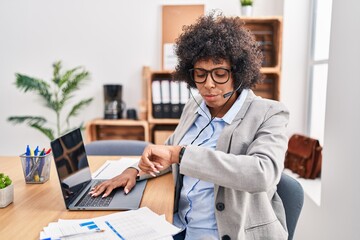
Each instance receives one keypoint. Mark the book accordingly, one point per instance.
(175, 99)
(184, 95)
(156, 99)
(165, 98)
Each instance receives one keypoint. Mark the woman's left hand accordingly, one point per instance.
(158, 157)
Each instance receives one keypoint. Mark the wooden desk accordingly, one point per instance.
(36, 205)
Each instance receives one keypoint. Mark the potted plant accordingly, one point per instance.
(246, 7)
(56, 95)
(6, 190)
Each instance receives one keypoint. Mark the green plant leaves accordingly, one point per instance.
(77, 107)
(36, 122)
(55, 95)
(4, 181)
(246, 2)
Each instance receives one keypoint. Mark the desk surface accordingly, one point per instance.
(36, 205)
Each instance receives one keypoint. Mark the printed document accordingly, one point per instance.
(130, 225)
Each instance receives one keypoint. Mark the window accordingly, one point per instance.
(318, 65)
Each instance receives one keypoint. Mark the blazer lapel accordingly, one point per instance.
(224, 140)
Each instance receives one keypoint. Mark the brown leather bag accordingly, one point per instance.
(304, 156)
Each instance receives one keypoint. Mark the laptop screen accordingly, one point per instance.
(71, 164)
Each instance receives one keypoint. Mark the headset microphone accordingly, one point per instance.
(228, 94)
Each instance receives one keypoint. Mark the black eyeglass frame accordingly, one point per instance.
(192, 70)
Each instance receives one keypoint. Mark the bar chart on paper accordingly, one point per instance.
(129, 229)
(130, 225)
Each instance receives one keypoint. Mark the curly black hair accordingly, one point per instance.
(215, 37)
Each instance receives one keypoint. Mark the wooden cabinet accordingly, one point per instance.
(160, 127)
(268, 34)
(101, 129)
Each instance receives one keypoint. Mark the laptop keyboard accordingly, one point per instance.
(89, 201)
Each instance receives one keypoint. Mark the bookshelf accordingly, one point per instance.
(160, 127)
(268, 33)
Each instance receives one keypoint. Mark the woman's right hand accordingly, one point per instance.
(126, 179)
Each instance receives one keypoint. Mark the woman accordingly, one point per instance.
(228, 149)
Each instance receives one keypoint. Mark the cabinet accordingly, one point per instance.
(101, 129)
(160, 128)
(268, 34)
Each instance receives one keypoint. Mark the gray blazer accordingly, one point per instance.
(245, 168)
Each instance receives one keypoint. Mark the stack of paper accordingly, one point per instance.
(131, 225)
(112, 168)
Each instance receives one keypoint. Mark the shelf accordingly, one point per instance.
(268, 33)
(101, 129)
(165, 121)
(269, 88)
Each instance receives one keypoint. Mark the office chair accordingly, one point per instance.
(116, 147)
(292, 196)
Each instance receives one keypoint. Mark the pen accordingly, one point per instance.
(48, 151)
(33, 163)
(82, 233)
(33, 175)
(27, 167)
(36, 151)
(42, 160)
(32, 157)
(36, 174)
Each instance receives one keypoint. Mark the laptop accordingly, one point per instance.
(76, 181)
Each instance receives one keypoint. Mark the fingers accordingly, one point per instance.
(108, 190)
(127, 179)
(129, 185)
(150, 170)
(97, 190)
(148, 166)
(152, 158)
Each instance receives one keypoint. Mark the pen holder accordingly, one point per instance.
(36, 169)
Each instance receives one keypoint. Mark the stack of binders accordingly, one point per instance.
(168, 98)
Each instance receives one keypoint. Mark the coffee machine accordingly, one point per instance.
(113, 104)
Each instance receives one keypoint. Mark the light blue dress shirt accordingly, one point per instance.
(196, 204)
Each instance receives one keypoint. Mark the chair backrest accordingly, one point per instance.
(292, 196)
(116, 147)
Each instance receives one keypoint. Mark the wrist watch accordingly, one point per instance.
(181, 153)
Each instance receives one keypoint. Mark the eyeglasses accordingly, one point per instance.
(219, 75)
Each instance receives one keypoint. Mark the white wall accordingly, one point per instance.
(338, 215)
(294, 64)
(111, 39)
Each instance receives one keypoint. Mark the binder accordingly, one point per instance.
(175, 99)
(165, 98)
(184, 94)
(156, 99)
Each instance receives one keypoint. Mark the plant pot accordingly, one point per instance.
(6, 195)
(246, 10)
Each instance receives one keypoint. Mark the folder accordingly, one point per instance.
(184, 95)
(156, 99)
(175, 99)
(165, 98)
